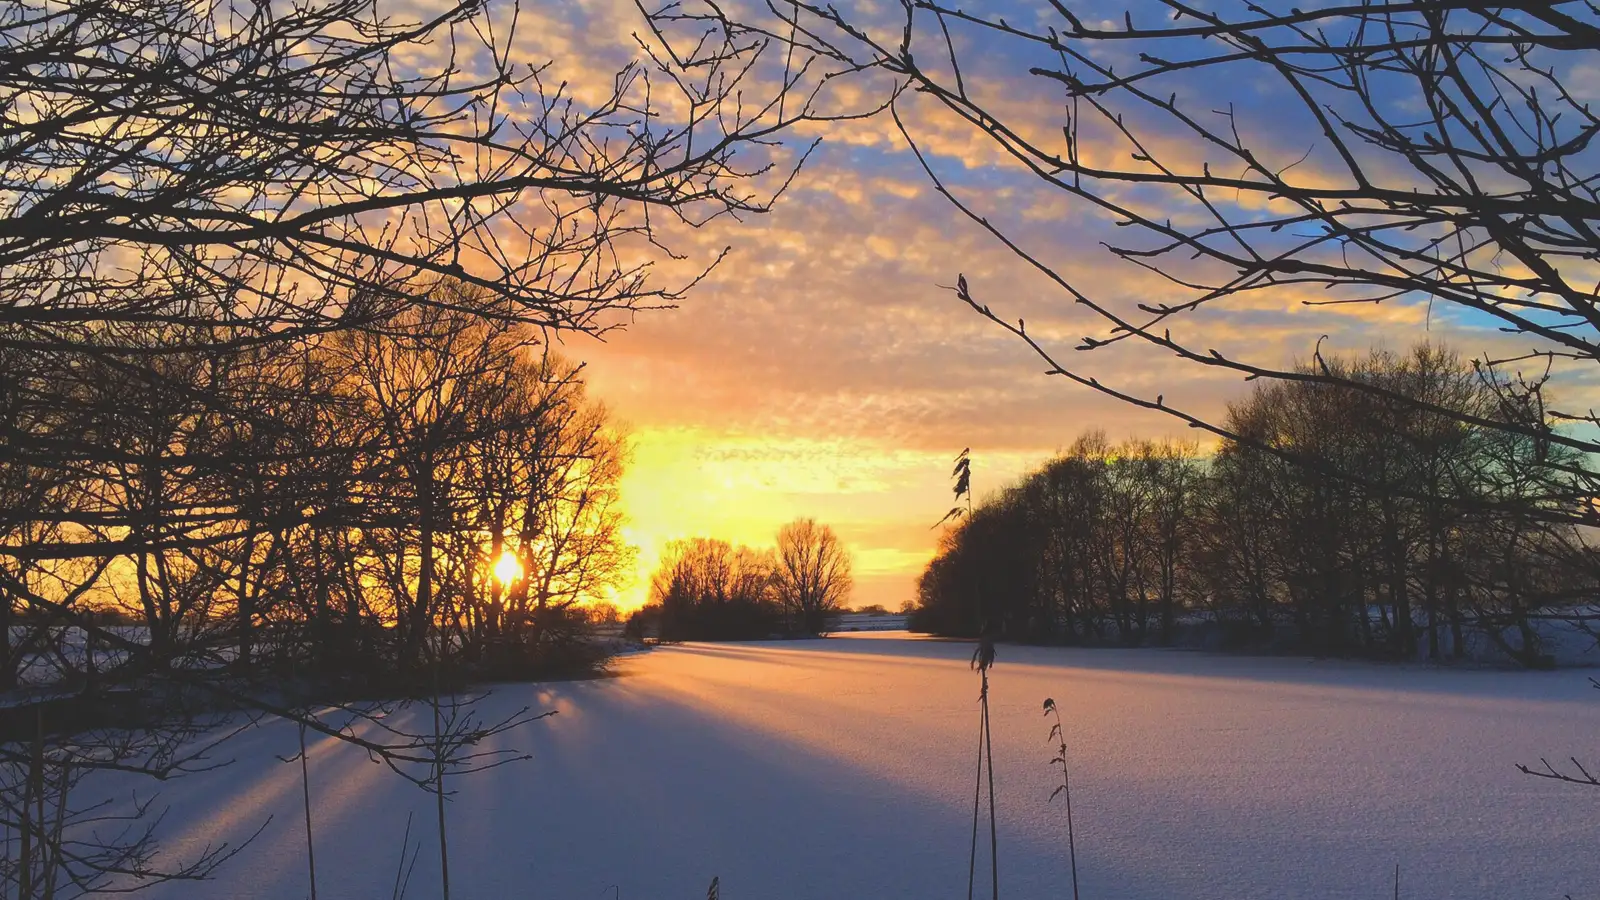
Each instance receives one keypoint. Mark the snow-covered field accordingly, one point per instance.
(844, 768)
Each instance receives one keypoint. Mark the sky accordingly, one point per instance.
(825, 369)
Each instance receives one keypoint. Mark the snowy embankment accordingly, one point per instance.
(844, 768)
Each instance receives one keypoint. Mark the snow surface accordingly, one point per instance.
(845, 768)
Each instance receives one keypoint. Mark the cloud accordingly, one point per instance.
(826, 369)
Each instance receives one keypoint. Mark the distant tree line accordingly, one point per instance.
(710, 590)
(1349, 524)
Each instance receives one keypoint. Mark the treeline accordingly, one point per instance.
(707, 589)
(1337, 521)
(433, 488)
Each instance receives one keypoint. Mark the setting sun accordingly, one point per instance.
(507, 568)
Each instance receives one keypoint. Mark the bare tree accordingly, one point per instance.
(256, 170)
(1447, 160)
(60, 846)
(233, 175)
(709, 589)
(812, 575)
(211, 214)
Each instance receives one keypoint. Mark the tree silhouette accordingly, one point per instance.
(812, 574)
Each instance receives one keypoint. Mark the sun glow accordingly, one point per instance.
(741, 487)
(507, 568)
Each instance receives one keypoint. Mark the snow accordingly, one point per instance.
(844, 768)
